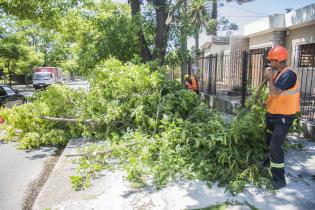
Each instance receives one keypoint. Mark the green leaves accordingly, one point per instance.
(146, 126)
(112, 33)
(26, 125)
(190, 141)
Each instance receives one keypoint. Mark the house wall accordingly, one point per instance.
(239, 43)
(257, 26)
(216, 48)
(261, 41)
(300, 16)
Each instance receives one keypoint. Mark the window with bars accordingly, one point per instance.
(306, 55)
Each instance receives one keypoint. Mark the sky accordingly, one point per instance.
(257, 9)
(252, 11)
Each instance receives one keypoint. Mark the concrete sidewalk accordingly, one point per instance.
(110, 191)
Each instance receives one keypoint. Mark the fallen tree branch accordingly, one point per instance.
(104, 152)
(158, 111)
(69, 120)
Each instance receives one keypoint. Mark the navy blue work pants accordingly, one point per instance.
(277, 130)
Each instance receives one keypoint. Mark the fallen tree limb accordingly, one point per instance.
(254, 97)
(69, 120)
(104, 152)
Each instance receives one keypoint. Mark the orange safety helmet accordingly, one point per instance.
(278, 53)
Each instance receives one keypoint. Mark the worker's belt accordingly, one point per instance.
(288, 120)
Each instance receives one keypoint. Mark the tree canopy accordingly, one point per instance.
(80, 34)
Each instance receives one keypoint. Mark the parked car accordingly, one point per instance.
(10, 97)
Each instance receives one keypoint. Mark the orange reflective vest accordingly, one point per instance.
(193, 85)
(288, 102)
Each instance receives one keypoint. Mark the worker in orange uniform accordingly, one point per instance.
(191, 83)
(282, 105)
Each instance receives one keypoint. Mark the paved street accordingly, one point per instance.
(78, 84)
(17, 170)
(29, 90)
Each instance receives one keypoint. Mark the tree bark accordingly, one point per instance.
(214, 14)
(135, 7)
(183, 40)
(197, 50)
(68, 120)
(10, 73)
(145, 52)
(197, 41)
(161, 30)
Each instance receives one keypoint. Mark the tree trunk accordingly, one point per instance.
(10, 73)
(161, 30)
(45, 58)
(183, 40)
(214, 14)
(135, 7)
(197, 41)
(25, 78)
(145, 52)
(197, 51)
(197, 31)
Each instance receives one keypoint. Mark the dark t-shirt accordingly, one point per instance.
(286, 81)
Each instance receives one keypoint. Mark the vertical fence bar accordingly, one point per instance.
(262, 67)
(305, 92)
(244, 76)
(312, 95)
(309, 101)
(250, 67)
(215, 77)
(209, 74)
(202, 74)
(189, 67)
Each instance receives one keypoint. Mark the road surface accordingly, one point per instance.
(17, 170)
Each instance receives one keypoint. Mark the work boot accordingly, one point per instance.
(278, 179)
(278, 184)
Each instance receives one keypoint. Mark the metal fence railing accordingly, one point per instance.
(307, 78)
(230, 75)
(303, 60)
